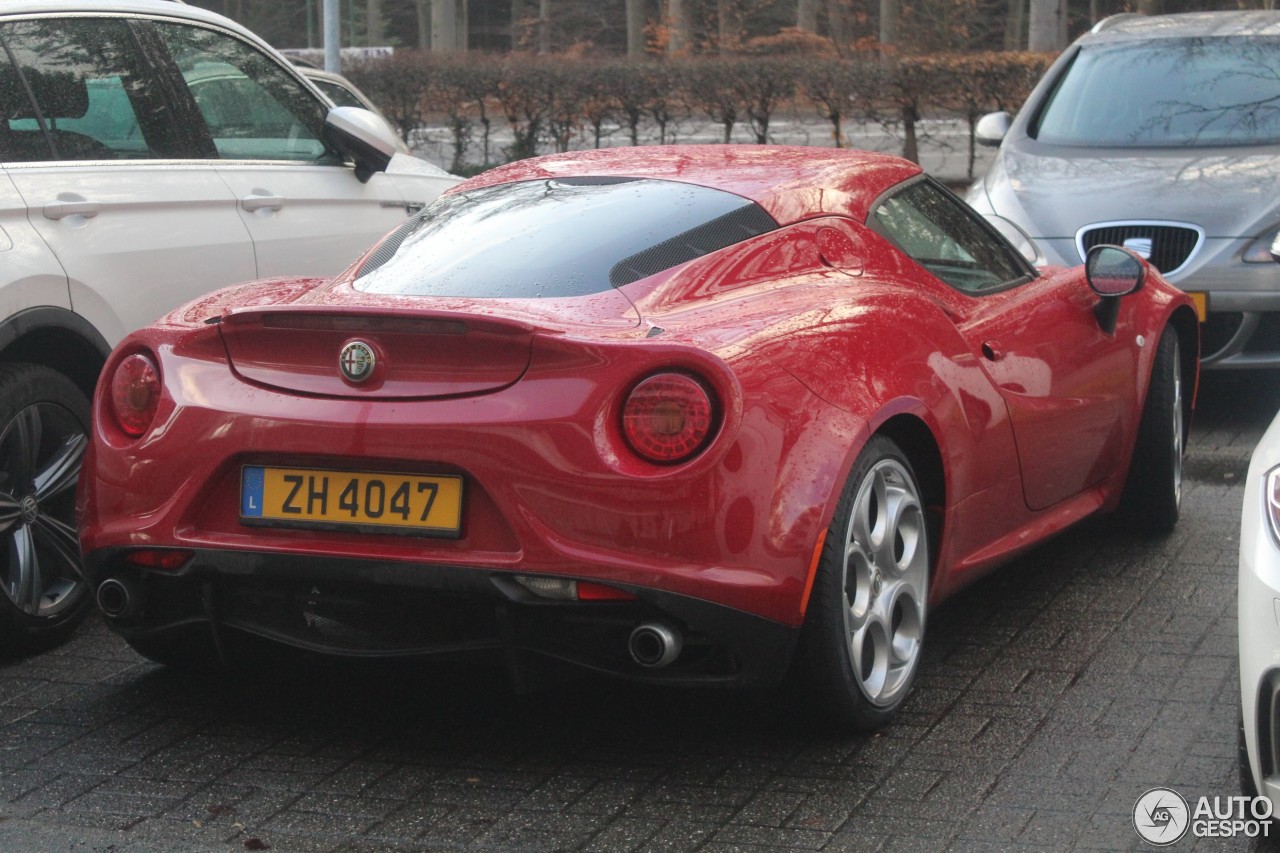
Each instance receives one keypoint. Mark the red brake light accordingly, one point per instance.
(588, 591)
(667, 418)
(158, 558)
(135, 394)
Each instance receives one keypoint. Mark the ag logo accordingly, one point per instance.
(1161, 816)
(356, 361)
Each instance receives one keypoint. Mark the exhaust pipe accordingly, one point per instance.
(654, 645)
(118, 599)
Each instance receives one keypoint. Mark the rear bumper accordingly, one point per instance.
(547, 488)
(1258, 625)
(377, 609)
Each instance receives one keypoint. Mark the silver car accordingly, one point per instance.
(1161, 134)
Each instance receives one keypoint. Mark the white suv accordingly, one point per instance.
(150, 151)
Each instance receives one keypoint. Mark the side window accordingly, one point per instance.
(339, 94)
(945, 238)
(253, 108)
(78, 89)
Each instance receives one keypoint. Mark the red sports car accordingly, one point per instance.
(701, 414)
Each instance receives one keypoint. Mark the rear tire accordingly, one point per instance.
(1153, 491)
(864, 634)
(44, 428)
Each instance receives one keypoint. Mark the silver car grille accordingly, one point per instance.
(1169, 246)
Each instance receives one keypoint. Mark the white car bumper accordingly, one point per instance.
(1259, 622)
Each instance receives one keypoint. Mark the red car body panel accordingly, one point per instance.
(813, 337)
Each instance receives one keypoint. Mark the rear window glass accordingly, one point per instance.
(555, 238)
(1168, 92)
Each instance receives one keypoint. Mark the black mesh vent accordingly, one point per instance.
(1171, 245)
(1268, 725)
(595, 181)
(733, 227)
(1265, 338)
(388, 247)
(1217, 331)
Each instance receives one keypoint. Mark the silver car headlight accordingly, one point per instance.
(1271, 501)
(1259, 251)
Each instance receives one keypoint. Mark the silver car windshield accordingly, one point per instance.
(555, 238)
(1197, 92)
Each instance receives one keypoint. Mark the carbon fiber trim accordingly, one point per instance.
(733, 227)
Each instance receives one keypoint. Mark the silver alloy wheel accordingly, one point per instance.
(885, 581)
(41, 451)
(1177, 424)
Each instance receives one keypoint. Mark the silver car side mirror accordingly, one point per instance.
(992, 128)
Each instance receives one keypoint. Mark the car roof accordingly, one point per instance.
(166, 8)
(1131, 27)
(790, 182)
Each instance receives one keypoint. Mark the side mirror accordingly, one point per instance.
(992, 128)
(362, 136)
(1275, 248)
(1113, 272)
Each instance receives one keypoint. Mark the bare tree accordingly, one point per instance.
(463, 91)
(807, 15)
(1044, 32)
(526, 93)
(836, 88)
(1015, 23)
(444, 26)
(729, 24)
(374, 34)
(889, 21)
(666, 97)
(424, 24)
(399, 85)
(712, 91)
(544, 27)
(679, 39)
(635, 28)
(519, 24)
(838, 25)
(762, 87)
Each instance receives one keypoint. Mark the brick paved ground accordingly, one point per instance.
(1052, 696)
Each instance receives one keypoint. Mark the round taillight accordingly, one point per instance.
(667, 418)
(135, 394)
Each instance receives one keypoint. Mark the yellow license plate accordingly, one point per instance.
(406, 503)
(1201, 303)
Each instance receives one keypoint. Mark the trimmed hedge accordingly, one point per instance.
(557, 103)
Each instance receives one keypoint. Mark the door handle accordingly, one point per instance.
(71, 204)
(261, 200)
(991, 351)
